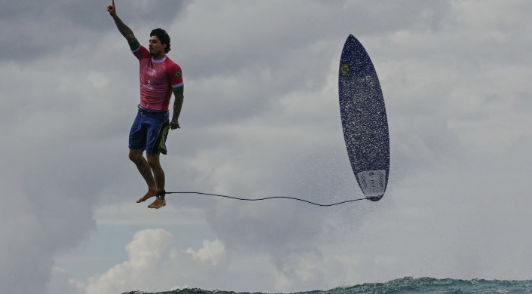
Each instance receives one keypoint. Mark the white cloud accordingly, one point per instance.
(61, 283)
(153, 265)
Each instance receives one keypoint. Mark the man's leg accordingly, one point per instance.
(144, 168)
(158, 173)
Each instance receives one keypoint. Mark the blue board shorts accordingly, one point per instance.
(149, 131)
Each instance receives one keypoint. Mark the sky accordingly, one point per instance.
(261, 118)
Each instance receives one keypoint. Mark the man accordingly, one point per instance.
(159, 77)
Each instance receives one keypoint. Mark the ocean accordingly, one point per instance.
(406, 285)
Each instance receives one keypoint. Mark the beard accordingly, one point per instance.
(154, 53)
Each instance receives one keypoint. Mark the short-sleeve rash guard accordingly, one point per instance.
(157, 79)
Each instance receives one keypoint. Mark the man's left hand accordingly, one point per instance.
(174, 125)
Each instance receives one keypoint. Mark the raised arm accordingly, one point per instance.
(178, 103)
(124, 30)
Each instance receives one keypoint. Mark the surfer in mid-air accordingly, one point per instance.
(159, 77)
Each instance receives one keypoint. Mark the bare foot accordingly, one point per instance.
(158, 203)
(151, 193)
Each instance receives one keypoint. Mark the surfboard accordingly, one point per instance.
(364, 120)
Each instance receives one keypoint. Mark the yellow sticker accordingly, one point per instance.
(344, 69)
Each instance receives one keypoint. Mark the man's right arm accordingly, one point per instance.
(122, 27)
(125, 30)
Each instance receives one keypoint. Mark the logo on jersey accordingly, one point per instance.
(177, 74)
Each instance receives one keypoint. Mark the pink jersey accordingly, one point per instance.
(157, 79)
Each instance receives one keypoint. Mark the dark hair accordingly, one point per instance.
(163, 37)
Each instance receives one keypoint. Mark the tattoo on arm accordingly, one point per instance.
(178, 103)
(125, 30)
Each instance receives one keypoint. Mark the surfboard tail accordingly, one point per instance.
(372, 183)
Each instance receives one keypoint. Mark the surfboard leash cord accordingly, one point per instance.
(266, 198)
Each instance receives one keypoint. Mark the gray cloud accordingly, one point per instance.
(36, 29)
(250, 38)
